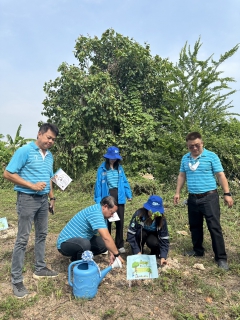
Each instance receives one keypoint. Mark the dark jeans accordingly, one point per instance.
(207, 207)
(30, 209)
(120, 223)
(149, 238)
(75, 247)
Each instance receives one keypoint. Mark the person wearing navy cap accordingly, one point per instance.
(111, 180)
(149, 226)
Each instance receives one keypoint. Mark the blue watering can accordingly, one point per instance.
(85, 276)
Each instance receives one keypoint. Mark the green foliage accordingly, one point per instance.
(13, 307)
(120, 95)
(112, 98)
(196, 99)
(197, 95)
(7, 149)
(17, 142)
(141, 185)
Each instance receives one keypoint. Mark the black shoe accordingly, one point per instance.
(19, 290)
(223, 264)
(192, 253)
(45, 273)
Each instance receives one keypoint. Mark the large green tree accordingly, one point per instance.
(113, 97)
(198, 93)
(119, 94)
(196, 99)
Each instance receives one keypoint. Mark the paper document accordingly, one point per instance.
(3, 223)
(115, 217)
(61, 179)
(141, 266)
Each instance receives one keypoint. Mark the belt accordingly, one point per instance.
(202, 195)
(33, 194)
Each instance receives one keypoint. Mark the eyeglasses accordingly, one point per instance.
(192, 146)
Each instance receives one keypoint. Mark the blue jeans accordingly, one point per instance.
(207, 207)
(30, 208)
(74, 247)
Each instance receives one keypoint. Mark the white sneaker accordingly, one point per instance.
(122, 250)
(106, 252)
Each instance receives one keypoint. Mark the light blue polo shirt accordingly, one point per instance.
(203, 178)
(29, 164)
(112, 178)
(84, 224)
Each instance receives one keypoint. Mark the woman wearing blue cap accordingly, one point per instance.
(148, 225)
(111, 180)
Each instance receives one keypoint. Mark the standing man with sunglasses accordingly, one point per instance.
(199, 168)
(31, 169)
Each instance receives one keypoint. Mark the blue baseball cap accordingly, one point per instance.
(112, 153)
(154, 204)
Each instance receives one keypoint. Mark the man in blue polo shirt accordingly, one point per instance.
(30, 169)
(80, 233)
(199, 168)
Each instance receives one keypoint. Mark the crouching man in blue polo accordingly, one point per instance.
(88, 230)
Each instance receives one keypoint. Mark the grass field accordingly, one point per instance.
(181, 292)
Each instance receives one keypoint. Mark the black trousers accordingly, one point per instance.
(75, 247)
(120, 223)
(207, 207)
(149, 238)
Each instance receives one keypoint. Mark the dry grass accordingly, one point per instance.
(181, 292)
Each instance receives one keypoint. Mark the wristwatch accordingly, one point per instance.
(227, 194)
(53, 198)
(117, 255)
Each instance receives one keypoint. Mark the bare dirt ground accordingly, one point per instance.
(145, 299)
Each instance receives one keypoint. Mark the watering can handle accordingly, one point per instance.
(70, 270)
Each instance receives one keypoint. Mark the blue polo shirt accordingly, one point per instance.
(203, 178)
(84, 224)
(29, 164)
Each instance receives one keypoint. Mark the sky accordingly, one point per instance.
(36, 36)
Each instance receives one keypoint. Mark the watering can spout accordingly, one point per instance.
(104, 273)
(116, 264)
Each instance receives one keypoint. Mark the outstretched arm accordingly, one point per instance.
(224, 184)
(109, 243)
(180, 183)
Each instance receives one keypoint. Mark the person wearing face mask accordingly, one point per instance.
(199, 168)
(149, 226)
(111, 180)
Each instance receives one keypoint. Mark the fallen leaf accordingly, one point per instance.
(209, 300)
(184, 233)
(199, 266)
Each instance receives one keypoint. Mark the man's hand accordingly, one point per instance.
(228, 200)
(163, 261)
(39, 186)
(176, 198)
(112, 258)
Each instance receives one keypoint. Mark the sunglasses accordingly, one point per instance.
(192, 146)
